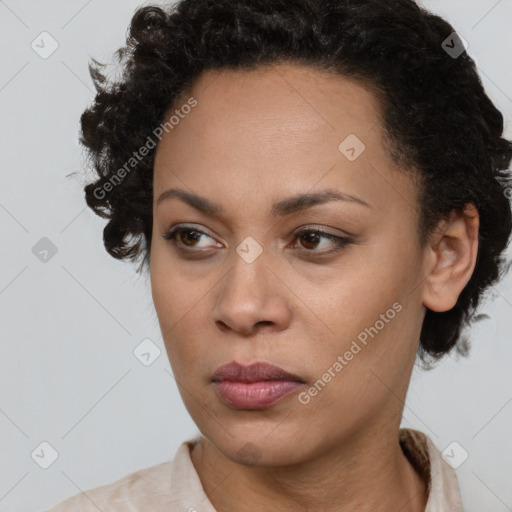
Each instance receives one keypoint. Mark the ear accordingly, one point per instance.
(451, 258)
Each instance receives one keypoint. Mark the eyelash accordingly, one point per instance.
(339, 241)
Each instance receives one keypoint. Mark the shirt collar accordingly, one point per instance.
(443, 487)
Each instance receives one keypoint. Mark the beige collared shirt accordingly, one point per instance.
(174, 486)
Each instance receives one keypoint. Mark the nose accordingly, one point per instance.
(252, 297)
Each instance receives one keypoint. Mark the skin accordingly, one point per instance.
(256, 137)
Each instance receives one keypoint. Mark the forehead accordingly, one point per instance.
(276, 129)
(299, 99)
(287, 84)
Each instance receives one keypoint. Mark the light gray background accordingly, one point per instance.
(69, 326)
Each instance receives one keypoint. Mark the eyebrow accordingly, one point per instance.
(280, 208)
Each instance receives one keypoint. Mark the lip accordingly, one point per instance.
(255, 372)
(256, 386)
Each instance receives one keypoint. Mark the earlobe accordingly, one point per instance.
(452, 254)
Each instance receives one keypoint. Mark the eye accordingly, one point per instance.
(311, 239)
(185, 237)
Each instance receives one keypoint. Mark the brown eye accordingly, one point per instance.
(188, 234)
(184, 237)
(312, 238)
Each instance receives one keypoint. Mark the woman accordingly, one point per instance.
(314, 188)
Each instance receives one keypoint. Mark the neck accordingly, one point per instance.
(367, 472)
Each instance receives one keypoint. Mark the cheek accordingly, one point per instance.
(175, 291)
(373, 317)
(181, 303)
(356, 292)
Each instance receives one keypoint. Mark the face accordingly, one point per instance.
(252, 280)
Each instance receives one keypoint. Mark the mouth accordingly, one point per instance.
(256, 386)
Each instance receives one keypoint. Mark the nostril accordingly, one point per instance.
(264, 322)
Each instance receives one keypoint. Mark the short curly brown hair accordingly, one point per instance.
(437, 117)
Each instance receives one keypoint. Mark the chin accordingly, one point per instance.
(253, 450)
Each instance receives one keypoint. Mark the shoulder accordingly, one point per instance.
(135, 491)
